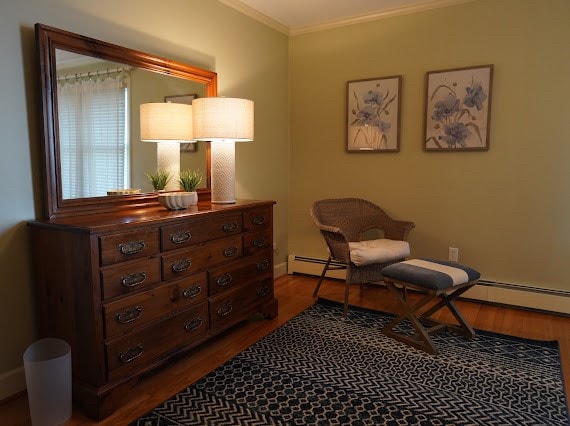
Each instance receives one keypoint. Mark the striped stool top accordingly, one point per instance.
(430, 273)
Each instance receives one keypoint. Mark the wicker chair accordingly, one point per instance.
(342, 223)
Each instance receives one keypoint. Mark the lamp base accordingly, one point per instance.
(222, 154)
(168, 159)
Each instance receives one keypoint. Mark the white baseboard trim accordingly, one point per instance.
(12, 382)
(280, 270)
(556, 301)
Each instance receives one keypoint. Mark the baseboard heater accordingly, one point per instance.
(529, 297)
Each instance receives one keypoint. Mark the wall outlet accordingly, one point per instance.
(453, 254)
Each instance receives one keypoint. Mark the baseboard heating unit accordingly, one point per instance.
(541, 299)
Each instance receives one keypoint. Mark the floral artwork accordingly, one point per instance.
(458, 106)
(373, 115)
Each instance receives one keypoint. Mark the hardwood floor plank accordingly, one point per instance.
(294, 293)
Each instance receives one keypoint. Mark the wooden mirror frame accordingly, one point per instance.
(48, 39)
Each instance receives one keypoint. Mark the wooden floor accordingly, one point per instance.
(295, 294)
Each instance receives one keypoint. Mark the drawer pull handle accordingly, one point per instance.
(181, 265)
(264, 291)
(131, 354)
(133, 280)
(262, 265)
(229, 227)
(258, 220)
(225, 309)
(191, 292)
(230, 251)
(225, 280)
(129, 315)
(180, 237)
(259, 242)
(132, 247)
(193, 324)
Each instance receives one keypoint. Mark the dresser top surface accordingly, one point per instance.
(158, 215)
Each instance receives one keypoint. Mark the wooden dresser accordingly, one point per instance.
(130, 290)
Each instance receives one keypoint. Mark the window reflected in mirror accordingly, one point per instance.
(98, 104)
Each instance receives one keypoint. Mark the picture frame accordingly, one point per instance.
(184, 99)
(373, 114)
(457, 109)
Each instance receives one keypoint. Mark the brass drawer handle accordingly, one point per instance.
(129, 315)
(225, 309)
(193, 324)
(133, 279)
(229, 227)
(181, 265)
(224, 280)
(259, 242)
(180, 237)
(258, 220)
(132, 247)
(191, 292)
(264, 291)
(230, 251)
(131, 354)
(262, 265)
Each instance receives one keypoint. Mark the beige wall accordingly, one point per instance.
(251, 61)
(508, 209)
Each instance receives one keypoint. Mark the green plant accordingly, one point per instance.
(190, 179)
(159, 179)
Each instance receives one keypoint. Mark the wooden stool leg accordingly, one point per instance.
(423, 341)
(447, 300)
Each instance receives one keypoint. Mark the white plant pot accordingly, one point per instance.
(178, 200)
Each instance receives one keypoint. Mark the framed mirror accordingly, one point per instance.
(91, 93)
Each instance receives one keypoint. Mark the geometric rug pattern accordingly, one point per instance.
(321, 369)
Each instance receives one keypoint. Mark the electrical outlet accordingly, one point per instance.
(453, 254)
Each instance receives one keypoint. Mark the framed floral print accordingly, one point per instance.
(373, 114)
(184, 99)
(458, 109)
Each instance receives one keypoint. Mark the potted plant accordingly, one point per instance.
(159, 179)
(188, 181)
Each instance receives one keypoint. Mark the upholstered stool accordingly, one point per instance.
(438, 280)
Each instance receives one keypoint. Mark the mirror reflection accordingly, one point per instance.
(99, 126)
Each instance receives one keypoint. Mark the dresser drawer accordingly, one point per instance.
(188, 233)
(257, 218)
(134, 311)
(230, 276)
(256, 241)
(133, 351)
(130, 276)
(189, 261)
(128, 246)
(234, 305)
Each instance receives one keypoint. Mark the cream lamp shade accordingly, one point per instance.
(223, 121)
(167, 124)
(162, 122)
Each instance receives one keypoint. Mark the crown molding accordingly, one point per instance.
(258, 16)
(420, 7)
(388, 13)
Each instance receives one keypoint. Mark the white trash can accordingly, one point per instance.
(47, 364)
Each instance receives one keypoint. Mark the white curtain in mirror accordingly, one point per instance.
(93, 133)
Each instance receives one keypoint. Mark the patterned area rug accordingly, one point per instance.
(318, 369)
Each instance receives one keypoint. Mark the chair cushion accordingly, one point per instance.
(430, 273)
(377, 251)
